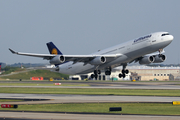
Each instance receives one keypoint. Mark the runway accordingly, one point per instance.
(104, 84)
(59, 116)
(54, 98)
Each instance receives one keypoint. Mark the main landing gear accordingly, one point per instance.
(95, 75)
(123, 74)
(124, 71)
(98, 72)
(108, 72)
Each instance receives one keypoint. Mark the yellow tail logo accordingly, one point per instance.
(54, 51)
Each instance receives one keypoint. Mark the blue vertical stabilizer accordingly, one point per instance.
(53, 49)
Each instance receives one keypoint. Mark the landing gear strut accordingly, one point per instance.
(160, 51)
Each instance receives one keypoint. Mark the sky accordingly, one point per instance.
(83, 26)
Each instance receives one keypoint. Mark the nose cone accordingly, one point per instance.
(170, 37)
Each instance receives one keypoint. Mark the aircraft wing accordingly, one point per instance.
(44, 56)
(87, 58)
(74, 58)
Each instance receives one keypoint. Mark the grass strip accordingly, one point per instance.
(89, 91)
(10, 100)
(42, 73)
(127, 108)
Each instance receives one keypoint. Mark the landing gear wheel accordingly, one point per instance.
(99, 72)
(125, 71)
(122, 75)
(92, 76)
(108, 72)
(95, 72)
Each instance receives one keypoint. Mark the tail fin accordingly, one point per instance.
(53, 49)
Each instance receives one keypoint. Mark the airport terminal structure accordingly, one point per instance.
(138, 73)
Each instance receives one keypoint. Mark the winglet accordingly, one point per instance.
(13, 51)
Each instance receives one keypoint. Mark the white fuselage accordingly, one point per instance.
(128, 52)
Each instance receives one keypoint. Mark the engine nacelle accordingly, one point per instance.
(98, 60)
(57, 59)
(146, 60)
(159, 58)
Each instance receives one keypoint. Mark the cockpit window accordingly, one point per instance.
(165, 34)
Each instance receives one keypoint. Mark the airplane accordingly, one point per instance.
(145, 50)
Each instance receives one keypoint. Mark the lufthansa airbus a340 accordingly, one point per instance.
(140, 50)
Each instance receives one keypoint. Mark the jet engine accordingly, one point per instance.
(159, 58)
(146, 60)
(57, 59)
(98, 60)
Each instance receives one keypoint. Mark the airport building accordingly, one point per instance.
(139, 73)
(145, 73)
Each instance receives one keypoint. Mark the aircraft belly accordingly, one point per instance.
(139, 52)
(73, 69)
(89, 70)
(160, 45)
(81, 68)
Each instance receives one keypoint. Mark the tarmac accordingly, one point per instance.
(103, 84)
(60, 116)
(56, 98)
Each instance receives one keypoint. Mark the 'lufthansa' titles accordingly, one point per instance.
(142, 38)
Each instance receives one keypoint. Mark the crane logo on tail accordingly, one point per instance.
(54, 51)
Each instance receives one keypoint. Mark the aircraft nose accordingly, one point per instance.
(170, 37)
